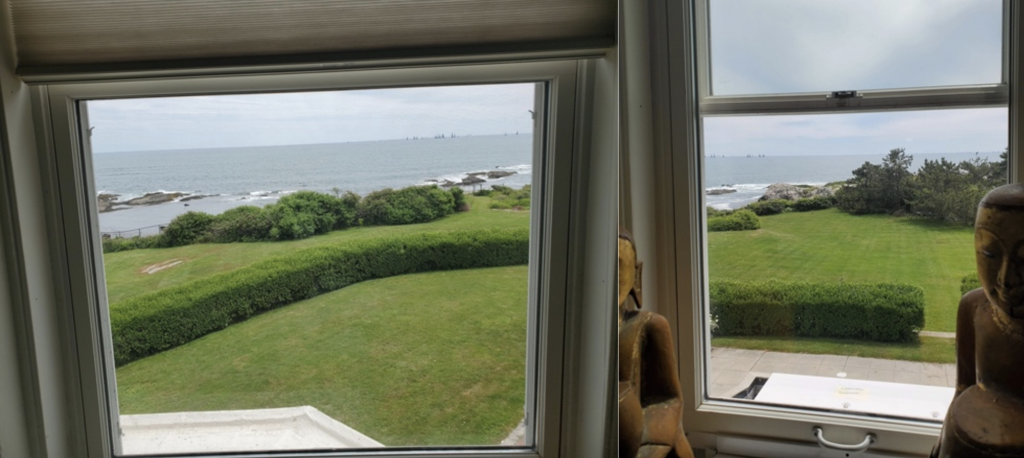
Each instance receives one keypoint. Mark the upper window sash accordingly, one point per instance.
(81, 276)
(869, 99)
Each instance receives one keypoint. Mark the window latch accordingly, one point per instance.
(844, 95)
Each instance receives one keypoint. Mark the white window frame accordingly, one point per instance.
(557, 358)
(676, 225)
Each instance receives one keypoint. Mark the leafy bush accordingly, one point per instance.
(884, 312)
(741, 220)
(768, 207)
(115, 244)
(240, 224)
(310, 213)
(148, 324)
(289, 224)
(186, 229)
(713, 212)
(814, 203)
(415, 204)
(506, 198)
(969, 282)
(459, 199)
(951, 192)
(877, 188)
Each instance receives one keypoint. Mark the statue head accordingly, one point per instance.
(629, 271)
(999, 248)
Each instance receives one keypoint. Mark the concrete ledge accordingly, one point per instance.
(290, 428)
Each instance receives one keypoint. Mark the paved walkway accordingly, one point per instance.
(732, 370)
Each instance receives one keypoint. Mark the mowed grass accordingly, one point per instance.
(928, 349)
(425, 359)
(126, 279)
(829, 245)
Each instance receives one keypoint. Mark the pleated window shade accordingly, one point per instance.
(53, 33)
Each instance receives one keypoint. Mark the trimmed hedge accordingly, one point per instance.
(969, 282)
(155, 322)
(883, 312)
(740, 220)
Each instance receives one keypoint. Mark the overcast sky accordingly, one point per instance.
(758, 46)
(309, 118)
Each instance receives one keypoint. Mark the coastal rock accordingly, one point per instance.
(499, 174)
(476, 174)
(720, 191)
(105, 202)
(195, 197)
(470, 180)
(153, 198)
(791, 192)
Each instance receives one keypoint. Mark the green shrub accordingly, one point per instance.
(813, 203)
(148, 324)
(713, 212)
(415, 204)
(969, 282)
(740, 220)
(768, 207)
(186, 229)
(459, 199)
(346, 212)
(482, 192)
(506, 198)
(884, 312)
(240, 224)
(289, 224)
(115, 244)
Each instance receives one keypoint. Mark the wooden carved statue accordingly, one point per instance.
(986, 417)
(650, 398)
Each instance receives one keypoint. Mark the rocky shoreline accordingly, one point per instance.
(106, 202)
(474, 178)
(785, 191)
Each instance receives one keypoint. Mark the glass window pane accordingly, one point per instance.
(319, 270)
(789, 46)
(811, 220)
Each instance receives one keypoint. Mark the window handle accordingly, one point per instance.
(825, 443)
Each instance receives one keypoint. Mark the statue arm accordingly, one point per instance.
(965, 356)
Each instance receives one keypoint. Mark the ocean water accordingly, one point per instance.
(751, 176)
(229, 177)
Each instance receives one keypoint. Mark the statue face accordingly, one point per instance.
(627, 269)
(999, 247)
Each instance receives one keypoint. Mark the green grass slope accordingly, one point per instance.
(425, 359)
(831, 246)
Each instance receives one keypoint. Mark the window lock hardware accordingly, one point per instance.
(827, 444)
(844, 95)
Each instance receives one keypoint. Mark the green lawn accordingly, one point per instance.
(424, 359)
(829, 245)
(125, 276)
